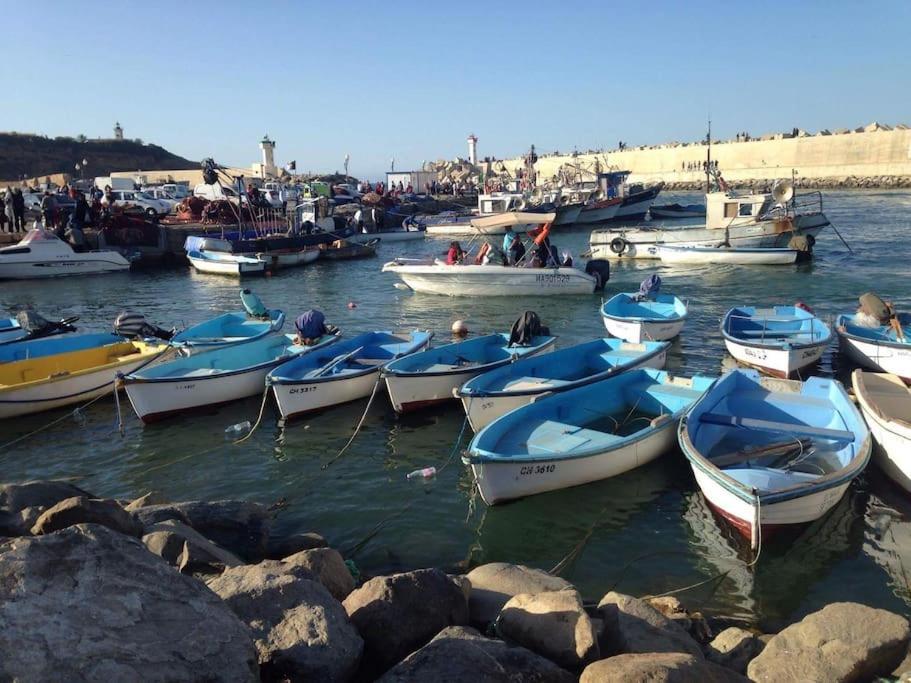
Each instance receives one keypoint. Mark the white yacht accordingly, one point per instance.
(42, 254)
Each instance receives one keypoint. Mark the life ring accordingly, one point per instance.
(618, 245)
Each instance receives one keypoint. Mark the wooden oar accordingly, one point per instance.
(775, 449)
(338, 361)
(895, 323)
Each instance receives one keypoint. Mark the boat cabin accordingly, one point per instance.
(500, 202)
(725, 209)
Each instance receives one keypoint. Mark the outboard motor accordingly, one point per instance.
(253, 305)
(600, 270)
(526, 328)
(649, 287)
(135, 326)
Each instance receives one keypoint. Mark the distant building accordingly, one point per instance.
(118, 131)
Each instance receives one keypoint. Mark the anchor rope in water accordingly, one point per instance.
(259, 419)
(357, 429)
(70, 414)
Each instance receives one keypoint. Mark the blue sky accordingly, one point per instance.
(410, 80)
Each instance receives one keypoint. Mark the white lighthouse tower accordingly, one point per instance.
(268, 148)
(473, 149)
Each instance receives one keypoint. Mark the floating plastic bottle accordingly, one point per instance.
(426, 473)
(238, 429)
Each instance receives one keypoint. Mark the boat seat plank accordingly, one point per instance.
(776, 333)
(772, 426)
(553, 437)
(527, 383)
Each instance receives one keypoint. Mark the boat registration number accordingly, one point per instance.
(552, 278)
(536, 469)
(302, 390)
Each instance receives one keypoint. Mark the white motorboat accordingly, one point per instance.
(223, 263)
(742, 221)
(42, 254)
(885, 402)
(740, 256)
(496, 224)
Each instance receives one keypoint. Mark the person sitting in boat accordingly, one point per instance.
(455, 255)
(481, 257)
(311, 326)
(516, 252)
(508, 238)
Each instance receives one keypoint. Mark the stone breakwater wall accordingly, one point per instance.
(880, 158)
(96, 589)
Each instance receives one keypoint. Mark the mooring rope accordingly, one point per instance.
(360, 424)
(259, 419)
(75, 412)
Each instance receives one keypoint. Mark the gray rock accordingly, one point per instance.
(664, 667)
(282, 547)
(458, 654)
(553, 624)
(492, 585)
(151, 498)
(82, 510)
(397, 614)
(734, 648)
(184, 547)
(90, 604)
(633, 626)
(329, 567)
(301, 631)
(239, 526)
(31, 498)
(843, 641)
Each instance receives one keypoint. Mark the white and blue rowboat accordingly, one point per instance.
(211, 378)
(770, 453)
(488, 396)
(223, 263)
(712, 255)
(657, 318)
(229, 329)
(575, 437)
(780, 341)
(347, 372)
(12, 332)
(885, 402)
(52, 346)
(877, 348)
(429, 377)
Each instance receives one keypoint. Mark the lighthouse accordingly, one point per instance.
(118, 131)
(268, 148)
(473, 149)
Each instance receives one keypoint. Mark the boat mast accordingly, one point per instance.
(708, 160)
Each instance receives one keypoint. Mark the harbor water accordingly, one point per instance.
(643, 533)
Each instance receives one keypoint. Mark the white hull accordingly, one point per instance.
(635, 209)
(892, 441)
(492, 280)
(285, 260)
(777, 362)
(300, 398)
(734, 256)
(67, 390)
(469, 230)
(482, 410)
(896, 361)
(499, 482)
(411, 392)
(389, 236)
(90, 263)
(640, 331)
(568, 216)
(641, 243)
(227, 267)
(599, 215)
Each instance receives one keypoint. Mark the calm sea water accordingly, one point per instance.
(642, 533)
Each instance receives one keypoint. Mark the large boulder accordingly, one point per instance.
(280, 547)
(82, 510)
(301, 631)
(239, 526)
(185, 548)
(397, 614)
(843, 641)
(633, 626)
(553, 624)
(734, 648)
(22, 504)
(492, 585)
(459, 653)
(89, 603)
(328, 566)
(664, 667)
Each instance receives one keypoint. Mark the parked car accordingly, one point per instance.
(153, 207)
(177, 190)
(216, 192)
(161, 195)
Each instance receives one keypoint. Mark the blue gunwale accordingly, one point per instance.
(875, 335)
(192, 336)
(798, 315)
(626, 299)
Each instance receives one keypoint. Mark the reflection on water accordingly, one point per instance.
(647, 531)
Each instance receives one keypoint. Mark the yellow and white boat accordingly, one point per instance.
(35, 384)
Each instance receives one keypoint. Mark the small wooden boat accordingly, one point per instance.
(429, 377)
(83, 367)
(495, 393)
(403, 234)
(223, 263)
(743, 256)
(657, 318)
(229, 329)
(346, 249)
(885, 402)
(780, 341)
(671, 211)
(211, 378)
(575, 437)
(770, 453)
(877, 348)
(346, 372)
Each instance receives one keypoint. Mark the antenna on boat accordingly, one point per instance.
(708, 160)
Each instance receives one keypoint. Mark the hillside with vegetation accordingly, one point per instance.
(38, 155)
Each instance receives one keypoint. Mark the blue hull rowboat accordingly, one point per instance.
(575, 437)
(229, 329)
(495, 393)
(347, 372)
(429, 377)
(657, 318)
(770, 453)
(780, 341)
(211, 378)
(10, 330)
(878, 348)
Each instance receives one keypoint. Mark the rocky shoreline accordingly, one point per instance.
(834, 183)
(96, 589)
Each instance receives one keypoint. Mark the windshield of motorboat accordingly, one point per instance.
(37, 235)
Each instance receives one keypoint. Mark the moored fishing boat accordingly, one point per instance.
(345, 249)
(740, 256)
(655, 317)
(673, 211)
(885, 402)
(229, 329)
(770, 453)
(429, 377)
(211, 378)
(495, 393)
(42, 254)
(593, 432)
(780, 341)
(223, 263)
(879, 347)
(289, 258)
(346, 372)
(82, 368)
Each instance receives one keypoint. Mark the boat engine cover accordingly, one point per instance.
(600, 269)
